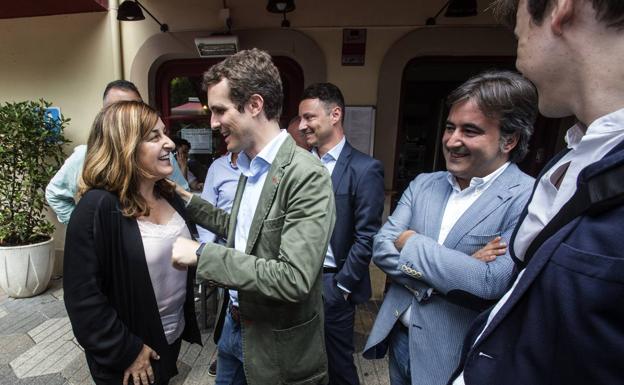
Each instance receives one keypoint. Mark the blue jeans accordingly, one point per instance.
(399, 362)
(230, 355)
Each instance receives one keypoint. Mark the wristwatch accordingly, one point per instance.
(200, 249)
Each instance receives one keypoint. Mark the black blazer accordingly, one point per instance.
(108, 292)
(358, 183)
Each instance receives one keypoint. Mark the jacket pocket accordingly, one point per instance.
(271, 224)
(594, 265)
(301, 353)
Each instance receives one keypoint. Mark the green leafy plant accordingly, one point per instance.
(31, 150)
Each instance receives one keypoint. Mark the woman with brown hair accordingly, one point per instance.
(129, 308)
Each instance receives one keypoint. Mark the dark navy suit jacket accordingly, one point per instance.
(358, 184)
(564, 321)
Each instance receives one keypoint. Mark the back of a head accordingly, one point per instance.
(506, 96)
(328, 93)
(249, 72)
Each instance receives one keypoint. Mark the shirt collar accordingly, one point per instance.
(334, 153)
(229, 158)
(263, 160)
(574, 135)
(482, 182)
(605, 125)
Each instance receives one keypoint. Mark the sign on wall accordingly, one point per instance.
(200, 139)
(353, 46)
(359, 127)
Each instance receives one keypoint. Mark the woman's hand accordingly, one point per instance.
(141, 369)
(491, 250)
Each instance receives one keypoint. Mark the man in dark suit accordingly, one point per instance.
(359, 192)
(561, 322)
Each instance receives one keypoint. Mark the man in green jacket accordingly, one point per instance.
(278, 231)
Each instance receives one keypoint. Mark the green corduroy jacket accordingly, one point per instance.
(279, 276)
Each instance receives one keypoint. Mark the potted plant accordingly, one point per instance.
(30, 152)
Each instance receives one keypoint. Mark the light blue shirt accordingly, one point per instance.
(329, 161)
(61, 191)
(256, 171)
(219, 189)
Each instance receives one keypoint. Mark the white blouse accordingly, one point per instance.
(168, 282)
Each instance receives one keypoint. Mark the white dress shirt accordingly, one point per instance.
(256, 171)
(600, 138)
(459, 201)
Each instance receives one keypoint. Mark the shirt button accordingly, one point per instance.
(396, 313)
(418, 274)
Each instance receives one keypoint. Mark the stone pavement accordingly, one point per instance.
(37, 346)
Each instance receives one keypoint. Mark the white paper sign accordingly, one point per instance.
(359, 127)
(200, 139)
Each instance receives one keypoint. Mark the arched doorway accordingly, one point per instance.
(182, 102)
(425, 85)
(455, 44)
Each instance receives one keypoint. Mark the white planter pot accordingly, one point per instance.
(25, 270)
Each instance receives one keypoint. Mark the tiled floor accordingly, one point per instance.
(37, 346)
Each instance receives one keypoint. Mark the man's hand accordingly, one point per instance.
(400, 241)
(491, 250)
(183, 253)
(141, 369)
(185, 195)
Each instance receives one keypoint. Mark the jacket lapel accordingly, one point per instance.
(529, 275)
(267, 196)
(525, 211)
(491, 198)
(436, 201)
(235, 207)
(341, 165)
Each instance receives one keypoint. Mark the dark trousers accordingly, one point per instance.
(339, 320)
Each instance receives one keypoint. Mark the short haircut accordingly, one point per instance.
(507, 97)
(120, 85)
(328, 93)
(610, 12)
(181, 142)
(249, 72)
(111, 162)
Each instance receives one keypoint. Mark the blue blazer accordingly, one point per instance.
(358, 183)
(444, 284)
(563, 322)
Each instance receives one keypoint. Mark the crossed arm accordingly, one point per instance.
(397, 250)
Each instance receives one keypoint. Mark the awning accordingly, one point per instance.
(30, 8)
